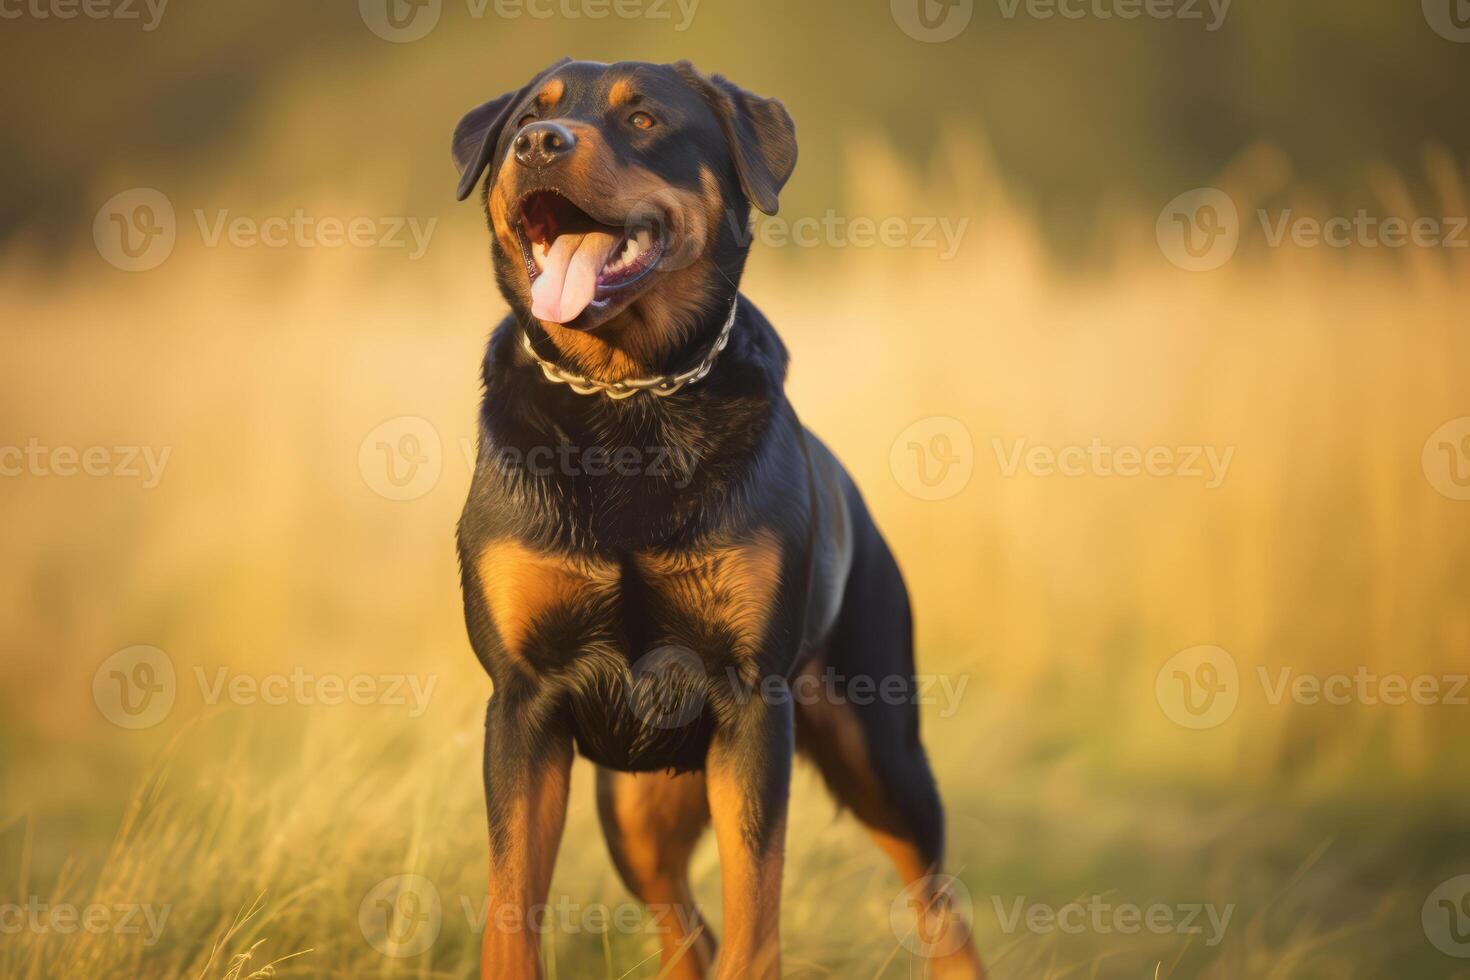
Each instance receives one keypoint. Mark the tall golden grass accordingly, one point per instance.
(1058, 598)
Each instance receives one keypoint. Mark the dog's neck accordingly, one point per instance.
(617, 351)
(659, 385)
(704, 436)
(647, 340)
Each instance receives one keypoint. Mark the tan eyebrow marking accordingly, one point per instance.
(551, 94)
(621, 93)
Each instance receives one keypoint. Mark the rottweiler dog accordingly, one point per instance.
(662, 568)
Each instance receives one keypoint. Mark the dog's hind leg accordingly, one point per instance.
(652, 821)
(865, 743)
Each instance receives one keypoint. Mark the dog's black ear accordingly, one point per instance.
(760, 132)
(478, 132)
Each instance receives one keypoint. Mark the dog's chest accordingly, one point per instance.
(635, 648)
(549, 610)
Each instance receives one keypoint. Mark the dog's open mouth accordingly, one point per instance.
(576, 261)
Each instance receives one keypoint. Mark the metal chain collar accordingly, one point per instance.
(662, 385)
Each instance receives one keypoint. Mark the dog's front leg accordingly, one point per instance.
(527, 772)
(749, 779)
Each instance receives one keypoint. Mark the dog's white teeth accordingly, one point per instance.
(538, 253)
(624, 258)
(644, 239)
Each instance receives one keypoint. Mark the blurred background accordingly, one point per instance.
(1181, 485)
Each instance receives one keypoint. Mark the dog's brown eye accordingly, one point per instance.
(526, 120)
(642, 120)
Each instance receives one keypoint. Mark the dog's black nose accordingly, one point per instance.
(543, 143)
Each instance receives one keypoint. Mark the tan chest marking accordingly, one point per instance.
(522, 585)
(734, 587)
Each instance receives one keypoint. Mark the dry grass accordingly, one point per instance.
(263, 828)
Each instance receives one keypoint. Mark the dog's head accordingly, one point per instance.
(619, 195)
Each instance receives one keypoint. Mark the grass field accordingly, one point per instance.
(259, 833)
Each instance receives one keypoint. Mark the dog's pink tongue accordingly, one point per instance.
(568, 278)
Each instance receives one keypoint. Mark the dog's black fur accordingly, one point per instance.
(736, 539)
